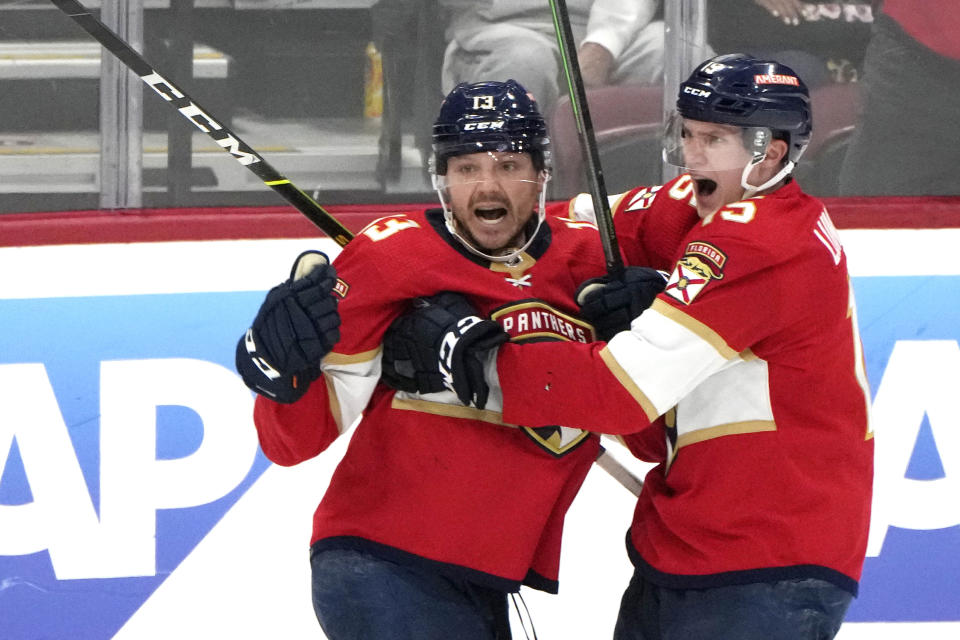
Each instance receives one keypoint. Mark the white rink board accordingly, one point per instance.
(248, 577)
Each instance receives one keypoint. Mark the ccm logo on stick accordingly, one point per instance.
(199, 117)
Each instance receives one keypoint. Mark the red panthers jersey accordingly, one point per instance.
(749, 367)
(424, 479)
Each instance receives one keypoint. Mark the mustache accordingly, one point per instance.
(490, 199)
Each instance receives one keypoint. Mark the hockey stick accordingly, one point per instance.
(598, 192)
(201, 118)
(621, 474)
(588, 143)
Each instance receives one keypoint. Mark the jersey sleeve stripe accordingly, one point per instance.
(616, 200)
(704, 332)
(404, 401)
(350, 384)
(661, 359)
(334, 403)
(335, 358)
(624, 378)
(735, 428)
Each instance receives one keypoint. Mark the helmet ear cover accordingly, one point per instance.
(489, 116)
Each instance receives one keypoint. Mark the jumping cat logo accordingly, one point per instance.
(700, 264)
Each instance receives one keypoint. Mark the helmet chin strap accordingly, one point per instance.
(451, 222)
(750, 190)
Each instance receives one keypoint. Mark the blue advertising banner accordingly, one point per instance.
(910, 327)
(135, 502)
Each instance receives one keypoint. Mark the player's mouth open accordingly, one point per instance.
(491, 214)
(704, 186)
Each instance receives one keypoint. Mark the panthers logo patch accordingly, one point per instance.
(701, 263)
(536, 321)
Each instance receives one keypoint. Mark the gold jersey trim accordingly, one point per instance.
(334, 403)
(702, 331)
(449, 410)
(523, 264)
(733, 428)
(624, 378)
(616, 205)
(335, 358)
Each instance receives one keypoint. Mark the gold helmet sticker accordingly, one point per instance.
(701, 263)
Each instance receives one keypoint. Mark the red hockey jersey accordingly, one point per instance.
(752, 358)
(424, 479)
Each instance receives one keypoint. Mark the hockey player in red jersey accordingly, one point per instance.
(437, 510)
(744, 380)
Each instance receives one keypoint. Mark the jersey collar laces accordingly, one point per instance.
(521, 282)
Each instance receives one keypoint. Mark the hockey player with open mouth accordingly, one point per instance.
(437, 511)
(744, 380)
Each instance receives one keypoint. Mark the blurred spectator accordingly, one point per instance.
(620, 42)
(906, 143)
(822, 41)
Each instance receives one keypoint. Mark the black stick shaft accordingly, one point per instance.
(201, 118)
(588, 142)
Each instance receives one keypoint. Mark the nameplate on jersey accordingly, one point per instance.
(536, 321)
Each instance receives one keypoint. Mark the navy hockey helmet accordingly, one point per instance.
(489, 116)
(740, 90)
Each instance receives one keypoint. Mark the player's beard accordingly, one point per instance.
(491, 199)
(515, 241)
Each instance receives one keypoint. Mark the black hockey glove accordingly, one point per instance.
(409, 346)
(610, 305)
(296, 326)
(441, 344)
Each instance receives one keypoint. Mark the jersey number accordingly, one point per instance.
(742, 212)
(386, 227)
